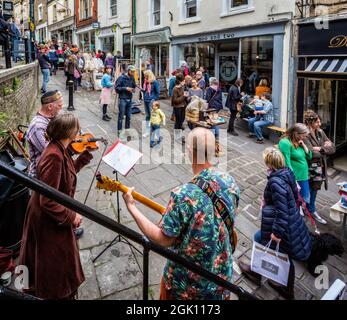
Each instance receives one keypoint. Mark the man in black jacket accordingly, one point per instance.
(125, 87)
(234, 97)
(45, 65)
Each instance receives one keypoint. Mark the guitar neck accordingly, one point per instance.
(138, 197)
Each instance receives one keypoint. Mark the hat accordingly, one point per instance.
(131, 68)
(50, 97)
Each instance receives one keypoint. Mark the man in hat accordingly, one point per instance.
(125, 87)
(51, 105)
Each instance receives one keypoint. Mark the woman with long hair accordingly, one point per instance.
(321, 147)
(49, 247)
(297, 155)
(151, 93)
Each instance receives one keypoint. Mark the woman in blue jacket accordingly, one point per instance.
(281, 221)
(106, 93)
(151, 93)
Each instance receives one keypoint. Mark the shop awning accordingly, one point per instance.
(333, 67)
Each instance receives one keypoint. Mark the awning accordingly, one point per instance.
(332, 67)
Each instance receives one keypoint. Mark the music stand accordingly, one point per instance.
(119, 238)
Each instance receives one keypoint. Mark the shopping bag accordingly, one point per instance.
(270, 263)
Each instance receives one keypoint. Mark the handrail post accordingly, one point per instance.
(145, 284)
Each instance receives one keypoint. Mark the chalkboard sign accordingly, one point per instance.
(163, 87)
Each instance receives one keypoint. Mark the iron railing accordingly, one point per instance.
(122, 230)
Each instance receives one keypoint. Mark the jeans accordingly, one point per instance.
(155, 133)
(148, 109)
(255, 126)
(215, 130)
(305, 191)
(45, 79)
(124, 109)
(312, 206)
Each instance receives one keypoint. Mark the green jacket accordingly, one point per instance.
(296, 159)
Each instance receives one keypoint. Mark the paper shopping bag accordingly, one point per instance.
(270, 263)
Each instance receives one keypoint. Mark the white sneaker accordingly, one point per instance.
(319, 218)
(121, 135)
(302, 212)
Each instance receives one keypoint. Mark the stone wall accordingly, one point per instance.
(19, 87)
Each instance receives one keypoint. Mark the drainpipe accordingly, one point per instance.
(133, 25)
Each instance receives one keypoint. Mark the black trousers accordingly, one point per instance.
(180, 114)
(232, 119)
(104, 109)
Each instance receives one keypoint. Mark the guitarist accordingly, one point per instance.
(198, 224)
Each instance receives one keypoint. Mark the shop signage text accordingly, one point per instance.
(215, 37)
(323, 42)
(338, 42)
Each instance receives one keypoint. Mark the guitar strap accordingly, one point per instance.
(222, 208)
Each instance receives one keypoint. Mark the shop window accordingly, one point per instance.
(256, 61)
(156, 12)
(198, 55)
(113, 7)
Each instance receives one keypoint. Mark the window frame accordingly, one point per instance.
(40, 11)
(111, 6)
(183, 16)
(229, 11)
(153, 13)
(186, 2)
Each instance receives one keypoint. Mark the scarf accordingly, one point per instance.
(148, 87)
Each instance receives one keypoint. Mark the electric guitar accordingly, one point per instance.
(107, 184)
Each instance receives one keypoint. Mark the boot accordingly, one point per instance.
(218, 150)
(249, 274)
(105, 118)
(287, 292)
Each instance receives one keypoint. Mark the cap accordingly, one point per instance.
(131, 68)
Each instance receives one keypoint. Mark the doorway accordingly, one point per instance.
(227, 69)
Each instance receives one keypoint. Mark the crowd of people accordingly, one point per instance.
(199, 220)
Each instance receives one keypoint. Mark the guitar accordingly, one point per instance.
(107, 184)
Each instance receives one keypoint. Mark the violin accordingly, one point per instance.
(85, 142)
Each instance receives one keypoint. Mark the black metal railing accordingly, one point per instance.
(110, 224)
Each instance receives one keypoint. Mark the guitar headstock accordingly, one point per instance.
(107, 184)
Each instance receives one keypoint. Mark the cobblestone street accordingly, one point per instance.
(117, 273)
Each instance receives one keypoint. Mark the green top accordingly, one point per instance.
(296, 159)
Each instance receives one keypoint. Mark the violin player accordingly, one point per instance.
(49, 246)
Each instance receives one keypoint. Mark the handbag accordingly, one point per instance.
(76, 74)
(270, 263)
(222, 208)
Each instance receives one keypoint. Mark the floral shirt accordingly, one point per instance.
(201, 235)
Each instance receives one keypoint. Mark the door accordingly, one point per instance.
(340, 130)
(227, 69)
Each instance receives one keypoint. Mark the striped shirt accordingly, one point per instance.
(268, 108)
(36, 140)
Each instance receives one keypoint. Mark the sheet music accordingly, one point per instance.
(121, 157)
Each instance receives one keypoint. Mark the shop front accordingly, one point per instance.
(322, 78)
(86, 38)
(231, 54)
(62, 31)
(153, 50)
(250, 53)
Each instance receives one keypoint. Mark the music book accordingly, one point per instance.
(122, 158)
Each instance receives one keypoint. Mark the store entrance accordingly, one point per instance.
(328, 98)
